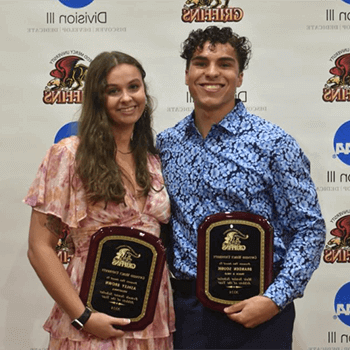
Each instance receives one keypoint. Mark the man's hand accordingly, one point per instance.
(253, 311)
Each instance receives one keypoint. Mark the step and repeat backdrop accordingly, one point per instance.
(298, 78)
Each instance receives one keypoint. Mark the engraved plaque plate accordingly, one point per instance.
(235, 258)
(123, 273)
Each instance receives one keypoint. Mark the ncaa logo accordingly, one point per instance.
(76, 4)
(347, 1)
(342, 304)
(341, 143)
(67, 130)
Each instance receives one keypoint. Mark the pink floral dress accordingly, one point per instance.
(57, 190)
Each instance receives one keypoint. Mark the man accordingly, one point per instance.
(221, 158)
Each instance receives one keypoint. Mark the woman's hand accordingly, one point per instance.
(101, 325)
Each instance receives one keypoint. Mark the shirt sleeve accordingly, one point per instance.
(55, 189)
(299, 216)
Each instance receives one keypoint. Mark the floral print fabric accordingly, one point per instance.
(244, 164)
(57, 190)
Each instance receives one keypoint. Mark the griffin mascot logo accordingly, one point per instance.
(210, 11)
(338, 247)
(67, 83)
(124, 257)
(233, 239)
(337, 87)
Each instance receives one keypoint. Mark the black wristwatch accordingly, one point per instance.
(78, 323)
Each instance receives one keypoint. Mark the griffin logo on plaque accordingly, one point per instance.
(124, 257)
(233, 240)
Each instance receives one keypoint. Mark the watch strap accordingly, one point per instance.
(78, 323)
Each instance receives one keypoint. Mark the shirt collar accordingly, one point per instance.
(231, 122)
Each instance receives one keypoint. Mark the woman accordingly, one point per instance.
(108, 175)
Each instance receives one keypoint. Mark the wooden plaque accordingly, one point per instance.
(235, 258)
(123, 273)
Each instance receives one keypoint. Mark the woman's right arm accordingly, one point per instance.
(43, 257)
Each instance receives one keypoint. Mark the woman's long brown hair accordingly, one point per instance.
(96, 154)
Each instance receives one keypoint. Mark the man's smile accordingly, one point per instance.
(211, 87)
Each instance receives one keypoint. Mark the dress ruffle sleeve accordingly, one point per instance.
(158, 205)
(55, 189)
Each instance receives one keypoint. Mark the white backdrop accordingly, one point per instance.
(295, 44)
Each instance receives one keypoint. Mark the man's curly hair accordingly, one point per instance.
(197, 39)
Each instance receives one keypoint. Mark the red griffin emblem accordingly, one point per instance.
(68, 74)
(337, 87)
(67, 83)
(338, 247)
(210, 11)
(341, 72)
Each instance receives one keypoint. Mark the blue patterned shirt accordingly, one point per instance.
(244, 164)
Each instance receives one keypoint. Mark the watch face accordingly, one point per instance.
(77, 325)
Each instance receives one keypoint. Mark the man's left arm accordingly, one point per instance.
(299, 212)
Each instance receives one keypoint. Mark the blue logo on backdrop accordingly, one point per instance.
(66, 131)
(76, 4)
(341, 143)
(347, 1)
(342, 304)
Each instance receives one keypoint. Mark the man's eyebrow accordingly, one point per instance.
(203, 58)
(227, 59)
(199, 58)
